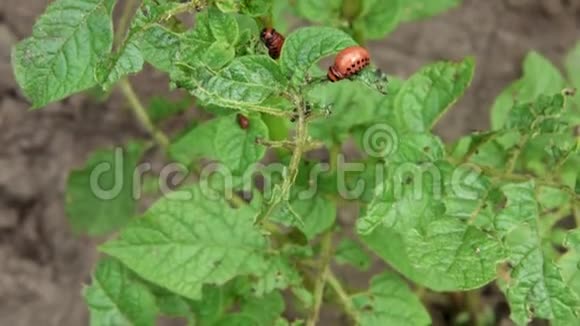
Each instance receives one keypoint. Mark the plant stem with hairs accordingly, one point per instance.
(323, 270)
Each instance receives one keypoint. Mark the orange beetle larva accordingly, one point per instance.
(349, 62)
(273, 41)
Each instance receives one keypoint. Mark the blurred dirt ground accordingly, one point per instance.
(43, 265)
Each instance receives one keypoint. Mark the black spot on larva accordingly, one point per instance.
(348, 69)
(353, 65)
(358, 62)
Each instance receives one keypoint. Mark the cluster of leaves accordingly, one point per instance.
(444, 217)
(371, 19)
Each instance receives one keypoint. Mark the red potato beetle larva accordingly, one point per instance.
(273, 41)
(243, 121)
(349, 62)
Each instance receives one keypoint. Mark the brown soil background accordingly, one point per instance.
(43, 265)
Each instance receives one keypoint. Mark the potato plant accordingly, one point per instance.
(250, 235)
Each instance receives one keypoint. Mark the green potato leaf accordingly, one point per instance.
(146, 40)
(349, 252)
(568, 265)
(306, 46)
(224, 27)
(378, 18)
(196, 41)
(187, 240)
(540, 77)
(308, 211)
(327, 12)
(428, 222)
(224, 140)
(389, 301)
(419, 9)
(245, 84)
(253, 8)
(117, 298)
(227, 6)
(256, 8)
(536, 287)
(262, 311)
(159, 46)
(100, 197)
(543, 115)
(279, 275)
(127, 61)
(429, 93)
(280, 15)
(61, 56)
(351, 105)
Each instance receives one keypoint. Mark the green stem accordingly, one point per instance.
(264, 21)
(420, 292)
(473, 305)
(577, 213)
(343, 297)
(351, 10)
(560, 164)
(325, 256)
(237, 201)
(301, 145)
(141, 114)
(277, 129)
(358, 36)
(124, 22)
(516, 154)
(335, 151)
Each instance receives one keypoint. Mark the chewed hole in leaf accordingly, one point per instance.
(367, 308)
